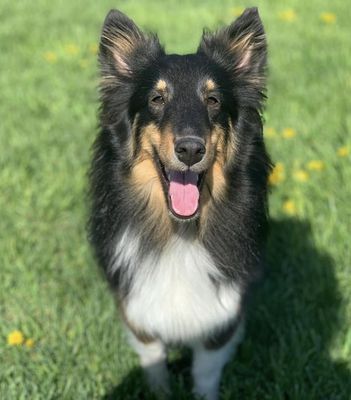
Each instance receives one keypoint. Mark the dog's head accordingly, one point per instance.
(177, 119)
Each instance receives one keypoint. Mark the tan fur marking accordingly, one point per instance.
(118, 44)
(121, 44)
(215, 182)
(150, 137)
(161, 85)
(132, 139)
(167, 146)
(243, 44)
(145, 176)
(122, 40)
(213, 189)
(224, 150)
(146, 183)
(210, 85)
(245, 47)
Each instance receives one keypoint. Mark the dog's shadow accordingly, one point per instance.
(294, 318)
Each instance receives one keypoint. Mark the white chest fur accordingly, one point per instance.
(172, 296)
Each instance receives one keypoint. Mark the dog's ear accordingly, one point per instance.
(124, 49)
(240, 48)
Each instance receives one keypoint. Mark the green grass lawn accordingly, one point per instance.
(298, 343)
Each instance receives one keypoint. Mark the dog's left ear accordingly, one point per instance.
(124, 49)
(240, 47)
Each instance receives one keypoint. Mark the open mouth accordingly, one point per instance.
(182, 190)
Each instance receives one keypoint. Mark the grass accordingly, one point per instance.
(298, 343)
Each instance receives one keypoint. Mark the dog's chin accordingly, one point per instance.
(165, 176)
(180, 218)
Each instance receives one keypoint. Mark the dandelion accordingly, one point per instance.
(236, 11)
(288, 133)
(277, 175)
(71, 49)
(289, 207)
(50, 57)
(15, 338)
(343, 151)
(270, 132)
(328, 17)
(287, 15)
(29, 343)
(93, 48)
(316, 165)
(301, 175)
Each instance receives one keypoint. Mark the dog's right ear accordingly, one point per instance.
(240, 48)
(124, 49)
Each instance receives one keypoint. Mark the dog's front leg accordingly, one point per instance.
(153, 360)
(209, 360)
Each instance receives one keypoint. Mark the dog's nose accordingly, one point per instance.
(190, 150)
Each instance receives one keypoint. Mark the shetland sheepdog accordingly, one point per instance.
(179, 187)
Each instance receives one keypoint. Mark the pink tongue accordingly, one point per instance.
(183, 192)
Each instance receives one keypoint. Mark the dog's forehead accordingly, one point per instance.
(185, 72)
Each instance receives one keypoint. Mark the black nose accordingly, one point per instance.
(190, 150)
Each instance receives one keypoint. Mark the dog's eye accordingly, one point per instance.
(212, 101)
(158, 100)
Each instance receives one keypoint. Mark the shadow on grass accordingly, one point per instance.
(293, 319)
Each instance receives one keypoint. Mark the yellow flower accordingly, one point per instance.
(93, 48)
(315, 165)
(15, 338)
(328, 17)
(301, 175)
(29, 343)
(287, 15)
(288, 133)
(50, 57)
(270, 132)
(343, 151)
(71, 49)
(289, 207)
(277, 175)
(236, 11)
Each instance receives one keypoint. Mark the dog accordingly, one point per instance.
(179, 190)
